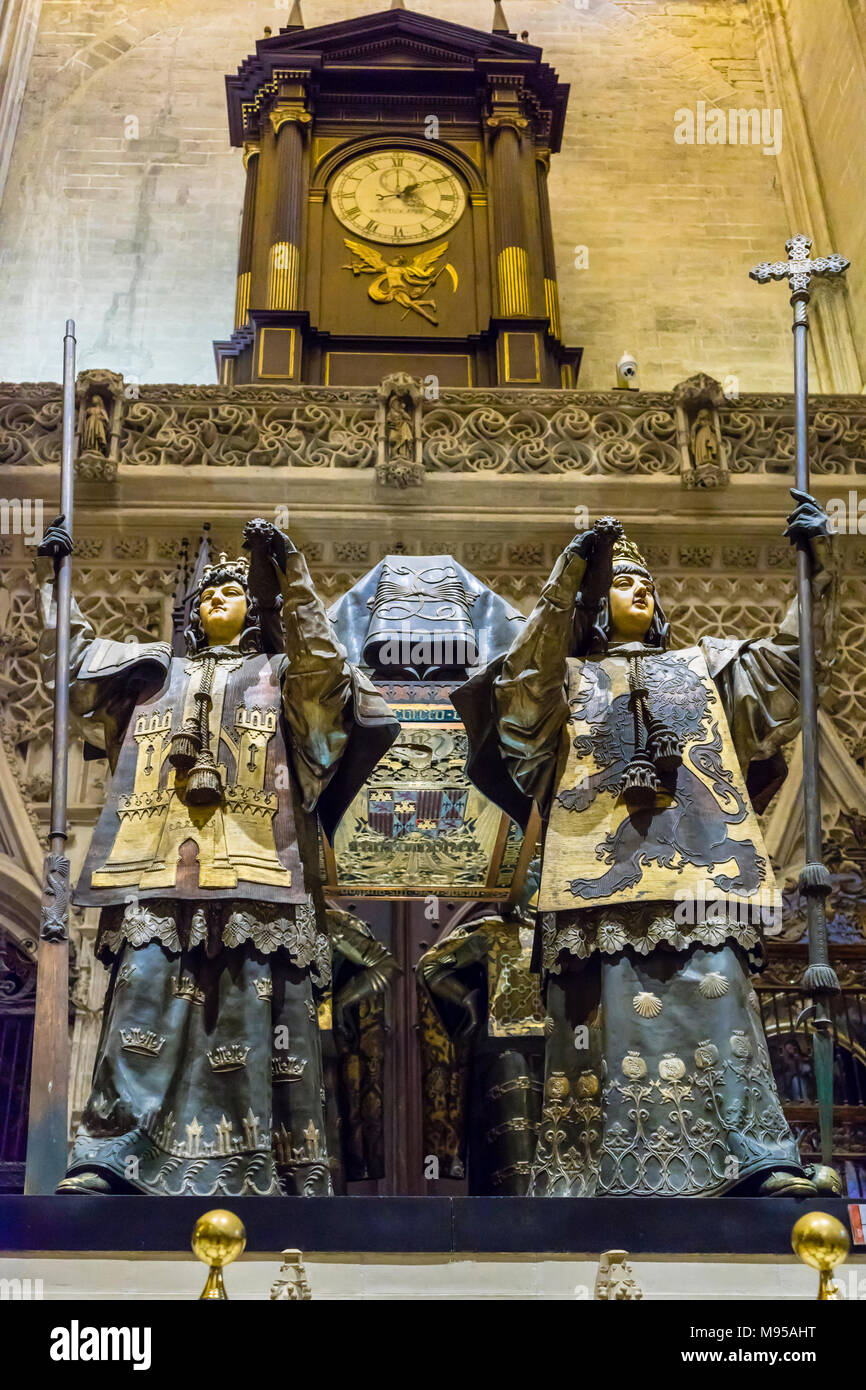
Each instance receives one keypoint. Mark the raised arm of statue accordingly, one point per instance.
(335, 717)
(530, 691)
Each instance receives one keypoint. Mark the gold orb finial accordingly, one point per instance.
(821, 1241)
(218, 1238)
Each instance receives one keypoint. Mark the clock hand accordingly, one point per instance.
(408, 190)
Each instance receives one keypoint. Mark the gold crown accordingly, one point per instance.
(626, 552)
(238, 569)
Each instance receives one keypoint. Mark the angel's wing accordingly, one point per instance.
(368, 254)
(425, 260)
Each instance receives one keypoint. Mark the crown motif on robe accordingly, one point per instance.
(146, 1043)
(626, 552)
(228, 1058)
(186, 988)
(287, 1068)
(237, 569)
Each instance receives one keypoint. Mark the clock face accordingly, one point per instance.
(397, 196)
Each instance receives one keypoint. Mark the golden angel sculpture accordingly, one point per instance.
(400, 281)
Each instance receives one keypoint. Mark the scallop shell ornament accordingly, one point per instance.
(671, 1067)
(647, 1005)
(633, 1065)
(713, 985)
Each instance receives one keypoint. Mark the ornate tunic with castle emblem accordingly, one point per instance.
(289, 732)
(151, 840)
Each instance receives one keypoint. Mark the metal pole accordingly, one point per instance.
(819, 980)
(49, 1076)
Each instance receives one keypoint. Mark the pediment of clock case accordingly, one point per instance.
(426, 49)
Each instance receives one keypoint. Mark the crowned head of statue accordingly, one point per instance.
(630, 610)
(222, 612)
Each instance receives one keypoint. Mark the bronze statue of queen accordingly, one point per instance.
(647, 764)
(208, 1075)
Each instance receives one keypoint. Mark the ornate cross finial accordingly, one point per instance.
(798, 269)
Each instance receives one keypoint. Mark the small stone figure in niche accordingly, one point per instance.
(401, 431)
(95, 434)
(204, 863)
(705, 448)
(655, 879)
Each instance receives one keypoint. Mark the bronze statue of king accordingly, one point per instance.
(647, 762)
(204, 865)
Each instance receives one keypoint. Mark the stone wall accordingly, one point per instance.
(832, 83)
(123, 196)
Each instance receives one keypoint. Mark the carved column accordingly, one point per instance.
(289, 117)
(252, 149)
(551, 288)
(507, 127)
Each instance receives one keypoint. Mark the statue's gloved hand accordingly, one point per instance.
(57, 541)
(469, 1022)
(582, 545)
(268, 549)
(600, 537)
(347, 1025)
(596, 548)
(809, 523)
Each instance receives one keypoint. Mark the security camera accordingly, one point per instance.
(626, 373)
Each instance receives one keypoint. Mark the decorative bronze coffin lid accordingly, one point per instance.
(418, 827)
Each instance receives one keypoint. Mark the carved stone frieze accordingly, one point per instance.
(467, 430)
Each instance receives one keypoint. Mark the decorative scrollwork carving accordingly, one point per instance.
(54, 911)
(496, 430)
